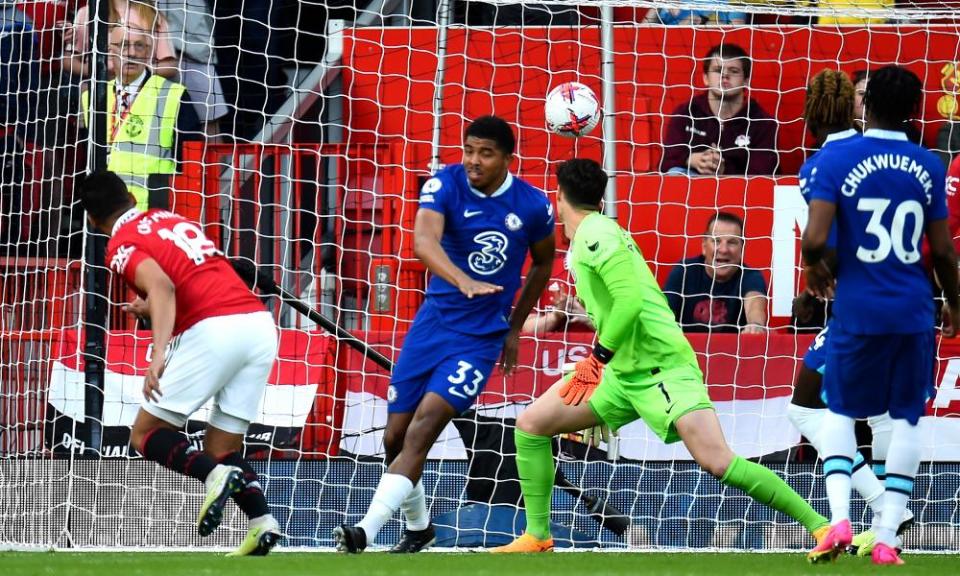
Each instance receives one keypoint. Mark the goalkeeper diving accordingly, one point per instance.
(642, 367)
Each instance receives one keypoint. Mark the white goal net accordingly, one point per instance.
(313, 127)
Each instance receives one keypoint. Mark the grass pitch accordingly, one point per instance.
(429, 564)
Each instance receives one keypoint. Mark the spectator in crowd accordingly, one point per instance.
(860, 86)
(148, 116)
(694, 143)
(693, 17)
(76, 39)
(714, 291)
(185, 54)
(18, 76)
(843, 11)
(565, 313)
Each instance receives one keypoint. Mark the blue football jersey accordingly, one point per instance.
(886, 191)
(809, 170)
(487, 237)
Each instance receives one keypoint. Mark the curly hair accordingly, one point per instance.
(893, 95)
(829, 101)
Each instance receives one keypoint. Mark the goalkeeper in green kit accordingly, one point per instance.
(642, 367)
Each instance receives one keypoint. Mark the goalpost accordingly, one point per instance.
(317, 182)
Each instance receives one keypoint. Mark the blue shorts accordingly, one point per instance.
(868, 375)
(816, 356)
(435, 359)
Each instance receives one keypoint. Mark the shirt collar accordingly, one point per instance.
(507, 182)
(840, 136)
(124, 218)
(886, 134)
(133, 87)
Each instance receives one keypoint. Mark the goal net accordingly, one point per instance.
(315, 127)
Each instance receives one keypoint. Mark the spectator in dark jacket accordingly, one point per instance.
(715, 291)
(694, 143)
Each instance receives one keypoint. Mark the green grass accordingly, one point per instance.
(429, 564)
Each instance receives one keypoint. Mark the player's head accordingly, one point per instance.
(859, 87)
(723, 245)
(726, 70)
(104, 196)
(488, 147)
(829, 104)
(892, 97)
(581, 183)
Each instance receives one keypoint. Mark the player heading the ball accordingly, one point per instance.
(474, 228)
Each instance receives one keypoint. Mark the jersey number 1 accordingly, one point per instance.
(189, 238)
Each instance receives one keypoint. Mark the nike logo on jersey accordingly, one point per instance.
(471, 213)
(593, 247)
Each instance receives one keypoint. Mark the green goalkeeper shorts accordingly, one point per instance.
(660, 399)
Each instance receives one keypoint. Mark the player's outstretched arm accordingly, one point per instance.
(814, 248)
(945, 265)
(161, 299)
(427, 232)
(542, 254)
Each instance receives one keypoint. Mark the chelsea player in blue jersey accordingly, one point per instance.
(474, 228)
(828, 112)
(885, 194)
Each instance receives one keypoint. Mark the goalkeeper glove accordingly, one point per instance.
(586, 376)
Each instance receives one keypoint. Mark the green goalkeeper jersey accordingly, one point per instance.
(624, 301)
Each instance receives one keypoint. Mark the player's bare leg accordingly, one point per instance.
(536, 427)
(702, 435)
(162, 442)
(431, 417)
(418, 533)
(264, 531)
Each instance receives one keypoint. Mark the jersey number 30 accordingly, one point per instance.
(895, 239)
(189, 238)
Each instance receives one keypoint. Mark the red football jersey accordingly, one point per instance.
(953, 200)
(206, 284)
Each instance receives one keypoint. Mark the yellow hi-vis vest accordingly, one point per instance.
(144, 141)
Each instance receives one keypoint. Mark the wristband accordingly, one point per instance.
(602, 354)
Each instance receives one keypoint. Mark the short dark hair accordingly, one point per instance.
(102, 194)
(493, 128)
(723, 217)
(859, 76)
(727, 52)
(893, 94)
(583, 181)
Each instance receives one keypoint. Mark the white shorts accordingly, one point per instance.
(227, 358)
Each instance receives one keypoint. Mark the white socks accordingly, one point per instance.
(808, 421)
(392, 490)
(839, 443)
(882, 427)
(414, 509)
(903, 461)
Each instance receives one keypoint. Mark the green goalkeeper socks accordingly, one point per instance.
(765, 487)
(536, 468)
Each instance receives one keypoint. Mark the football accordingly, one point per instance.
(572, 110)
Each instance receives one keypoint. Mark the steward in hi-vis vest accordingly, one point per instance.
(142, 133)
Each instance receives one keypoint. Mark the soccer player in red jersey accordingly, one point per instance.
(212, 338)
(953, 200)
